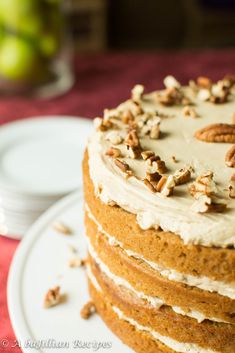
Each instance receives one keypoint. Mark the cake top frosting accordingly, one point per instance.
(168, 156)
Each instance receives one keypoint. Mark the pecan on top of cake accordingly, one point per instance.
(130, 157)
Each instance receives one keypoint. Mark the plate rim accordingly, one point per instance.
(28, 121)
(14, 283)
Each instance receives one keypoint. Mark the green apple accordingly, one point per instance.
(23, 16)
(49, 45)
(18, 59)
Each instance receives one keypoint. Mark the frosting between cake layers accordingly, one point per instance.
(173, 213)
(201, 282)
(153, 301)
(171, 343)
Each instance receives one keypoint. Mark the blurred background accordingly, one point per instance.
(39, 38)
(127, 24)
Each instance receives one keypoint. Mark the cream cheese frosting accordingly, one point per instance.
(201, 282)
(169, 342)
(175, 213)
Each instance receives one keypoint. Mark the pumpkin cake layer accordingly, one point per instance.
(144, 279)
(140, 341)
(163, 248)
(140, 337)
(210, 335)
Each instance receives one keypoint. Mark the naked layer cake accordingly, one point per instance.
(159, 189)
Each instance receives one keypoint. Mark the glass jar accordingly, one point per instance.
(35, 50)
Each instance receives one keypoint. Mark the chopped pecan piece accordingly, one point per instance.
(205, 204)
(147, 154)
(87, 310)
(113, 152)
(135, 108)
(52, 298)
(155, 132)
(160, 166)
(102, 125)
(123, 166)
(205, 192)
(114, 137)
(171, 82)
(182, 175)
(111, 114)
(161, 183)
(231, 189)
(149, 124)
(134, 152)
(204, 82)
(217, 133)
(174, 159)
(137, 93)
(230, 157)
(133, 144)
(204, 184)
(155, 176)
(62, 228)
(229, 80)
(127, 117)
(132, 139)
(152, 159)
(168, 186)
(189, 112)
(76, 262)
(204, 94)
(156, 164)
(171, 96)
(149, 185)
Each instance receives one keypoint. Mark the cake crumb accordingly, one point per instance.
(72, 249)
(76, 262)
(174, 159)
(53, 297)
(62, 228)
(87, 310)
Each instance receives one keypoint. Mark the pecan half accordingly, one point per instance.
(217, 133)
(230, 157)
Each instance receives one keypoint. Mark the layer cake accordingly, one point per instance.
(159, 190)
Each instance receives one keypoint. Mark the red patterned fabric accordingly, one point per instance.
(103, 80)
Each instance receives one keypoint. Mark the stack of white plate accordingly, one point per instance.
(40, 162)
